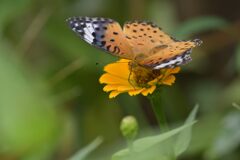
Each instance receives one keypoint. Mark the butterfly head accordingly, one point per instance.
(197, 42)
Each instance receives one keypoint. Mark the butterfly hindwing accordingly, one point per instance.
(102, 33)
(174, 54)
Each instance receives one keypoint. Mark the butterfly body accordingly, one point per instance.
(141, 42)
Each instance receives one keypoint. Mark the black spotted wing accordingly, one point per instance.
(102, 33)
(154, 48)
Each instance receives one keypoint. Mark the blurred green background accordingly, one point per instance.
(52, 105)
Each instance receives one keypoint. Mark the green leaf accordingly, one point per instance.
(199, 25)
(151, 147)
(121, 154)
(160, 146)
(147, 142)
(152, 154)
(183, 139)
(83, 153)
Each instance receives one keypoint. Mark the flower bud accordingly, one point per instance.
(129, 127)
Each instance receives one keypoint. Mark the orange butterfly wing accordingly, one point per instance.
(102, 33)
(144, 36)
(174, 54)
(155, 49)
(142, 42)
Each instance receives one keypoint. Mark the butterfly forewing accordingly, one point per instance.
(103, 33)
(144, 36)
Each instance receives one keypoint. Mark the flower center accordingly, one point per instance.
(142, 75)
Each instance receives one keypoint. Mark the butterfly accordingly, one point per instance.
(139, 41)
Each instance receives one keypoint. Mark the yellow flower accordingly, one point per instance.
(124, 76)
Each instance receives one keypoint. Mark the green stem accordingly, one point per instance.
(130, 145)
(158, 109)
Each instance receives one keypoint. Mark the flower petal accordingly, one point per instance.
(125, 88)
(111, 79)
(175, 70)
(169, 80)
(117, 87)
(171, 71)
(147, 91)
(110, 87)
(113, 94)
(135, 92)
(119, 68)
